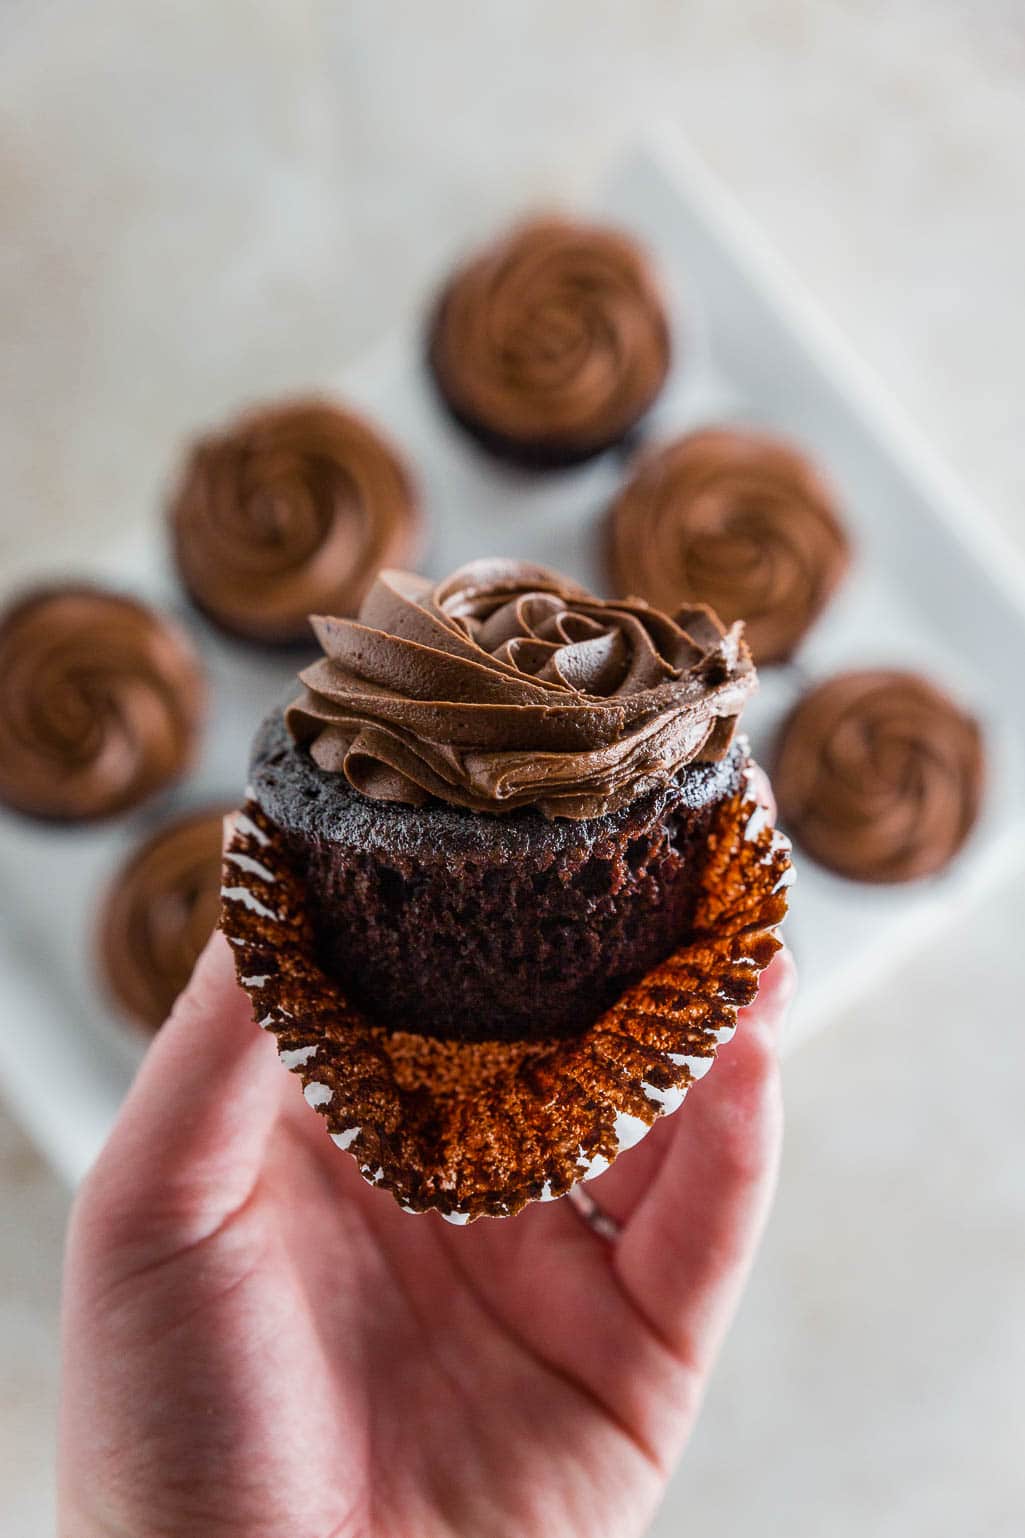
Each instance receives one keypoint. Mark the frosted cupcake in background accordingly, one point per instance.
(291, 509)
(101, 703)
(159, 910)
(880, 775)
(736, 519)
(551, 344)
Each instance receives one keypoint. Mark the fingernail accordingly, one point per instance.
(227, 829)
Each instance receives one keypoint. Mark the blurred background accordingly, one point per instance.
(310, 162)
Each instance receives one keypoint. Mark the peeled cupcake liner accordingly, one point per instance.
(479, 1129)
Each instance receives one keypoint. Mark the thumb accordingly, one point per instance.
(188, 1146)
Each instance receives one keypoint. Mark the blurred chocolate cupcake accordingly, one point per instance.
(737, 520)
(101, 701)
(879, 775)
(551, 344)
(477, 848)
(290, 510)
(158, 914)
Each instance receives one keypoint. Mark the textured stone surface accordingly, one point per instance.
(202, 198)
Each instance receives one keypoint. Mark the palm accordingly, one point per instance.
(480, 1355)
(334, 1366)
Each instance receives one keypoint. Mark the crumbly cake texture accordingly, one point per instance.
(480, 1128)
(420, 912)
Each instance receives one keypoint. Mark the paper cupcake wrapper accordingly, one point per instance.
(476, 1129)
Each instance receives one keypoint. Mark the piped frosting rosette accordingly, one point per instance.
(101, 702)
(474, 1129)
(880, 775)
(508, 686)
(160, 910)
(553, 341)
(736, 519)
(288, 509)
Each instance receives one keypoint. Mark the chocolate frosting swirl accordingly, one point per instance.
(290, 509)
(737, 520)
(554, 336)
(100, 703)
(508, 686)
(160, 911)
(879, 775)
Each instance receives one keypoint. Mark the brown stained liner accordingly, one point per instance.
(480, 1129)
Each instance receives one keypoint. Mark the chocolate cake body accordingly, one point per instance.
(472, 926)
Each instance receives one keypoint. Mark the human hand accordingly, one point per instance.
(258, 1343)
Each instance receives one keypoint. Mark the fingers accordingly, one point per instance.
(685, 1252)
(189, 1142)
(762, 790)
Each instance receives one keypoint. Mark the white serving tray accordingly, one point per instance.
(934, 587)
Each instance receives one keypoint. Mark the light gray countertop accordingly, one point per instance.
(207, 201)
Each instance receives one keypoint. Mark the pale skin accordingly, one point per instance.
(258, 1344)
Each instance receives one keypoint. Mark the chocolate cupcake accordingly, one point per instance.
(290, 509)
(550, 345)
(500, 884)
(159, 912)
(879, 775)
(737, 520)
(101, 701)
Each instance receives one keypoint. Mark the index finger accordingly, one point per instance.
(687, 1247)
(189, 1142)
